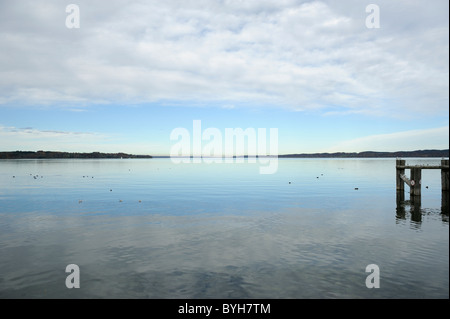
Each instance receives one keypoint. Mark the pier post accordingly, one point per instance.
(444, 175)
(416, 176)
(444, 203)
(400, 171)
(445, 187)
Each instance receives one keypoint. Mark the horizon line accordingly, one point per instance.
(239, 156)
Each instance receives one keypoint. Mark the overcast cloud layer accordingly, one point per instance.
(298, 55)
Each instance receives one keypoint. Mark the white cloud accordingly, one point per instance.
(436, 138)
(292, 54)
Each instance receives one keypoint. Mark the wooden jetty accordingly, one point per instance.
(415, 181)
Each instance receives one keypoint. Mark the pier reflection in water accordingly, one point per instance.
(413, 209)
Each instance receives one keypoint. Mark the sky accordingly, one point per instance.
(134, 71)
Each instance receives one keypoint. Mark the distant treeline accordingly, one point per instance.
(369, 154)
(51, 154)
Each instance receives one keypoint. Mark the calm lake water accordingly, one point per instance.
(149, 228)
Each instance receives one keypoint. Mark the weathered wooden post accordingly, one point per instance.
(416, 181)
(400, 186)
(414, 194)
(444, 175)
(400, 164)
(444, 203)
(445, 187)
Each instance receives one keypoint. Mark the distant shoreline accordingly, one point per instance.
(62, 155)
(372, 154)
(367, 154)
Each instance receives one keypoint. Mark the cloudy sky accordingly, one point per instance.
(135, 70)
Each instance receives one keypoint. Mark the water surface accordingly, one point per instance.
(149, 228)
